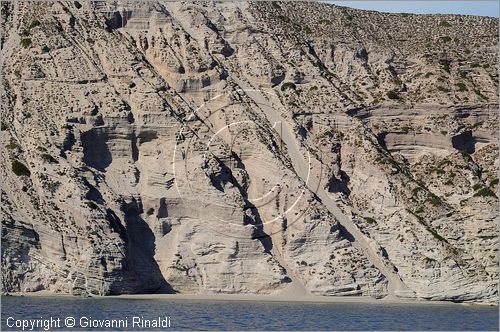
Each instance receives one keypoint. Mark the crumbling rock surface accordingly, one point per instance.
(245, 147)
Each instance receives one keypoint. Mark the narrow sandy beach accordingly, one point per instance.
(271, 298)
(286, 298)
(258, 298)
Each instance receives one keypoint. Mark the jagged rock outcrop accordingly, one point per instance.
(248, 148)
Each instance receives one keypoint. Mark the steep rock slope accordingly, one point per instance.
(248, 148)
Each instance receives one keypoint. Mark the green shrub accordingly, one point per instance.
(461, 87)
(288, 85)
(12, 146)
(421, 183)
(445, 24)
(419, 217)
(446, 65)
(445, 39)
(494, 182)
(406, 129)
(392, 94)
(307, 30)
(477, 92)
(370, 220)
(284, 18)
(429, 260)
(436, 235)
(26, 42)
(434, 200)
(443, 89)
(92, 205)
(34, 24)
(20, 169)
(48, 158)
(478, 124)
(485, 192)
(415, 191)
(477, 186)
(444, 163)
(52, 186)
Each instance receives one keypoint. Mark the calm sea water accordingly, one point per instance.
(222, 315)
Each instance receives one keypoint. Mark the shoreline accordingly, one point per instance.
(214, 297)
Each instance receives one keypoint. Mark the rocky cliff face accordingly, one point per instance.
(248, 148)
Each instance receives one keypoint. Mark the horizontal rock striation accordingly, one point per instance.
(248, 147)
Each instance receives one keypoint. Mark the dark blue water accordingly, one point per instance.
(222, 315)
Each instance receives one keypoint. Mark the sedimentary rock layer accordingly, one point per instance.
(244, 147)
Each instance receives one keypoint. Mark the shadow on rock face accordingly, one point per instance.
(340, 185)
(258, 233)
(117, 20)
(140, 252)
(346, 234)
(95, 150)
(464, 142)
